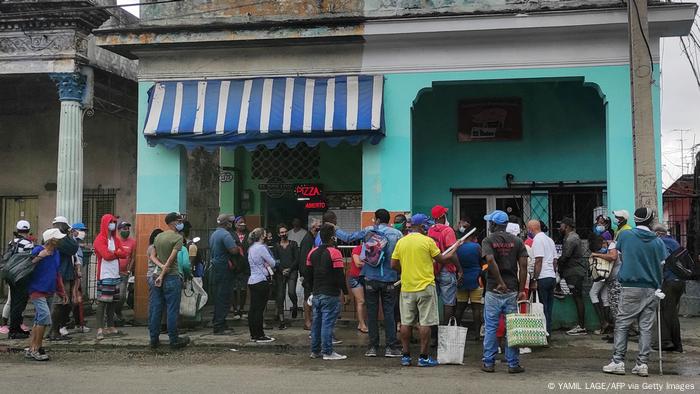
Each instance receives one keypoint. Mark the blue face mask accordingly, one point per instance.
(530, 234)
(112, 226)
(179, 226)
(599, 229)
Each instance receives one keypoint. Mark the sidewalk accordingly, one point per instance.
(295, 338)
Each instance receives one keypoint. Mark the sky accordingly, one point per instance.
(680, 105)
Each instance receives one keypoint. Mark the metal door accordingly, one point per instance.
(14, 209)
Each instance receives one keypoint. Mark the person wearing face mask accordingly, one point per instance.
(108, 250)
(80, 232)
(241, 274)
(286, 252)
(449, 271)
(574, 269)
(126, 266)
(67, 247)
(621, 218)
(401, 223)
(225, 252)
(167, 284)
(544, 277)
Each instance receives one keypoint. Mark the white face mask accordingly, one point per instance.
(112, 226)
(81, 235)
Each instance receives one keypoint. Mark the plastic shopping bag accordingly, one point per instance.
(451, 340)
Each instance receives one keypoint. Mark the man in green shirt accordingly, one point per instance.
(166, 286)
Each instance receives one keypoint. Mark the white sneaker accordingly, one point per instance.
(615, 368)
(525, 350)
(640, 370)
(334, 356)
(576, 331)
(63, 331)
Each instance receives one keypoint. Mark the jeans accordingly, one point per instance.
(494, 305)
(636, 305)
(374, 291)
(223, 284)
(545, 290)
(670, 326)
(18, 303)
(325, 313)
(258, 301)
(286, 285)
(166, 296)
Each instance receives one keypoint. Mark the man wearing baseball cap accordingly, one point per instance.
(506, 257)
(67, 248)
(225, 254)
(574, 268)
(449, 272)
(17, 297)
(44, 282)
(622, 218)
(413, 257)
(643, 255)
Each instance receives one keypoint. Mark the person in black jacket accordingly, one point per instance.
(305, 247)
(67, 247)
(286, 252)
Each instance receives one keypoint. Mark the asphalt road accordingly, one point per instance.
(225, 371)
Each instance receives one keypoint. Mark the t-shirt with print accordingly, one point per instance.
(354, 270)
(164, 244)
(128, 245)
(543, 246)
(506, 249)
(416, 252)
(23, 244)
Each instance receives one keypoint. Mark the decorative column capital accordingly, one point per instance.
(70, 85)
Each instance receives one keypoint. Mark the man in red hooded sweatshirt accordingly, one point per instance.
(448, 274)
(108, 250)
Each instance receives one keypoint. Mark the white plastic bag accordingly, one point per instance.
(537, 308)
(190, 300)
(451, 340)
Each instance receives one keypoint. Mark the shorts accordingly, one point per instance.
(108, 289)
(448, 288)
(355, 282)
(42, 313)
(575, 284)
(419, 307)
(475, 296)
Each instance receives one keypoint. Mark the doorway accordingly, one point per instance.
(14, 209)
(475, 207)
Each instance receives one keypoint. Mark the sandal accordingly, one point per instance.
(365, 331)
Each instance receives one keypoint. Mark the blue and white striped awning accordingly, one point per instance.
(265, 111)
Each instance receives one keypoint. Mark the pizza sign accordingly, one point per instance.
(307, 191)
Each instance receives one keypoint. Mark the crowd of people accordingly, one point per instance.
(408, 267)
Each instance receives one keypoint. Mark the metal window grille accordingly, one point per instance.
(300, 162)
(96, 203)
(677, 212)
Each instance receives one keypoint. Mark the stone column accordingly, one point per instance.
(69, 195)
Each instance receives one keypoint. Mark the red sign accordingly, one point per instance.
(307, 191)
(315, 205)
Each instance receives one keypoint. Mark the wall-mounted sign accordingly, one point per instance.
(275, 187)
(490, 120)
(315, 205)
(225, 177)
(307, 191)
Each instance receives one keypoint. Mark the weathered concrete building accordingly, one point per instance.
(67, 115)
(397, 104)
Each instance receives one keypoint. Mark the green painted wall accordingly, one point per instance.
(563, 139)
(161, 174)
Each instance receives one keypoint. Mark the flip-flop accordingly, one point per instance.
(363, 331)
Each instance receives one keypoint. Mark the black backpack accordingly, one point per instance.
(682, 265)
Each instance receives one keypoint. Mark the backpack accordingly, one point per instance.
(183, 262)
(374, 248)
(600, 269)
(682, 265)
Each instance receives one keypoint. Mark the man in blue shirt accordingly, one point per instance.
(330, 217)
(223, 249)
(673, 287)
(379, 285)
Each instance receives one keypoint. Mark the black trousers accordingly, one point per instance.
(670, 326)
(285, 285)
(222, 279)
(18, 303)
(258, 301)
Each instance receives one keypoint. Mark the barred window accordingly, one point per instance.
(300, 162)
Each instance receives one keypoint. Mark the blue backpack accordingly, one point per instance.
(374, 249)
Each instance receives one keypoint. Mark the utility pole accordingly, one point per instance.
(641, 74)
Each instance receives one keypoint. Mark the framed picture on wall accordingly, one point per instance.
(498, 119)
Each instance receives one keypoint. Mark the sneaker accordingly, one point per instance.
(393, 353)
(39, 355)
(615, 368)
(516, 369)
(264, 339)
(525, 350)
(316, 355)
(488, 368)
(283, 326)
(334, 356)
(371, 352)
(4, 329)
(427, 362)
(640, 370)
(577, 331)
(406, 361)
(236, 317)
(180, 343)
(336, 341)
(63, 331)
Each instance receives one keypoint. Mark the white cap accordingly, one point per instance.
(23, 225)
(513, 228)
(621, 213)
(52, 233)
(60, 219)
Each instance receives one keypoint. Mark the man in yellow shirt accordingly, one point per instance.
(413, 256)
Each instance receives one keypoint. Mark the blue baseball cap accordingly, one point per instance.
(419, 219)
(498, 217)
(79, 227)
